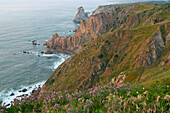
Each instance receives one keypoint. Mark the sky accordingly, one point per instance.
(41, 1)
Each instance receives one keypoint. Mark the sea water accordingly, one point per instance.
(22, 21)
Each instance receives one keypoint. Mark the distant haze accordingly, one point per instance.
(54, 1)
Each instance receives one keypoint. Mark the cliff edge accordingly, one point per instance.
(133, 39)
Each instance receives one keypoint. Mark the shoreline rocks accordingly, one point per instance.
(60, 44)
(23, 90)
(12, 94)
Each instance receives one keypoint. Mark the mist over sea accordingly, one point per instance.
(22, 21)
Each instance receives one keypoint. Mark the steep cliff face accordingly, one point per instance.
(106, 17)
(155, 47)
(137, 51)
(141, 50)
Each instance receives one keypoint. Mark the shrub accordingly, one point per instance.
(107, 42)
(100, 55)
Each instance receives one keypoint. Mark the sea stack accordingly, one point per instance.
(80, 15)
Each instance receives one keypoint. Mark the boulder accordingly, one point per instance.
(24, 52)
(12, 94)
(49, 51)
(75, 30)
(34, 43)
(45, 43)
(42, 52)
(23, 90)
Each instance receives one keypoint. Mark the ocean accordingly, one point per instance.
(22, 21)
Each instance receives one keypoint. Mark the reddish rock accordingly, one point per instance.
(45, 43)
(42, 52)
(34, 43)
(99, 23)
(48, 51)
(75, 30)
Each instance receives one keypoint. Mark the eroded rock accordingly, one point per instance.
(80, 15)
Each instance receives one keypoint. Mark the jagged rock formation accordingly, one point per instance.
(60, 44)
(80, 15)
(137, 42)
(103, 19)
(155, 48)
(96, 25)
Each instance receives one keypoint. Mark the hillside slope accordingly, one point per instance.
(136, 44)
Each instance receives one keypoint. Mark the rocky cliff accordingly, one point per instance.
(80, 15)
(132, 39)
(102, 20)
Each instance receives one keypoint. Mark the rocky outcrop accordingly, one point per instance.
(156, 47)
(60, 44)
(80, 15)
(100, 22)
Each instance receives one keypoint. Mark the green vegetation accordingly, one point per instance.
(101, 99)
(100, 55)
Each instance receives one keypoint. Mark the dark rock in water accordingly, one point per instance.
(38, 44)
(38, 55)
(22, 95)
(75, 30)
(24, 90)
(33, 91)
(12, 94)
(30, 87)
(42, 52)
(49, 51)
(34, 43)
(24, 52)
(7, 105)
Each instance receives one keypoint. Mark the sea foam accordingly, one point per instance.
(7, 99)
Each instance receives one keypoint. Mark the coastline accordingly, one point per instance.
(7, 99)
(8, 95)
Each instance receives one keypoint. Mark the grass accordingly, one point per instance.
(100, 99)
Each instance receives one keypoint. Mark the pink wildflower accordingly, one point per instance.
(102, 101)
(55, 106)
(79, 99)
(2, 110)
(67, 105)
